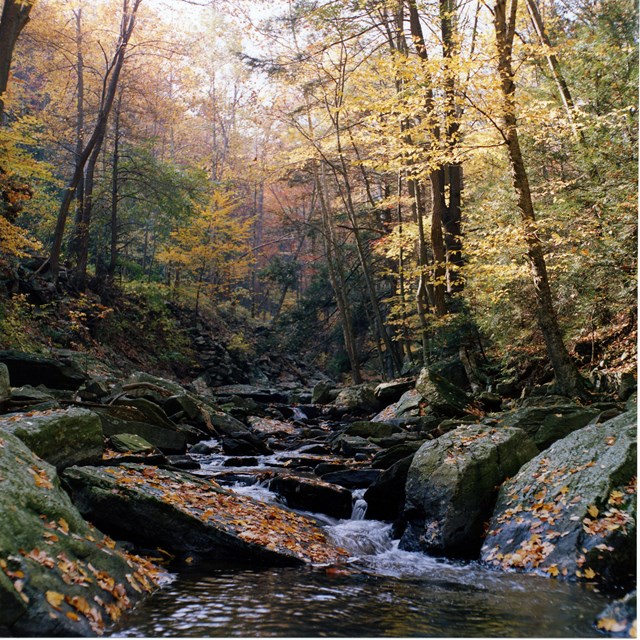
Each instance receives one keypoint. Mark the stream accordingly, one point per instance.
(384, 592)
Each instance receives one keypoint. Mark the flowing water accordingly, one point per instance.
(383, 592)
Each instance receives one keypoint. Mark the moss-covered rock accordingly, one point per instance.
(183, 513)
(571, 511)
(58, 575)
(443, 397)
(546, 424)
(452, 485)
(61, 437)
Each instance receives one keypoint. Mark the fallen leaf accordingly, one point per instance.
(593, 511)
(589, 573)
(54, 598)
(611, 624)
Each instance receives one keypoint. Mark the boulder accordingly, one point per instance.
(352, 445)
(366, 429)
(313, 495)
(146, 411)
(571, 511)
(452, 485)
(388, 392)
(58, 575)
(386, 496)
(359, 398)
(271, 427)
(93, 390)
(185, 514)
(442, 396)
(5, 385)
(321, 393)
(130, 443)
(237, 439)
(619, 619)
(167, 440)
(182, 403)
(25, 368)
(546, 424)
(384, 459)
(628, 384)
(61, 437)
(352, 478)
(408, 406)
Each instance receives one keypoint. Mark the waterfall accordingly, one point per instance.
(359, 505)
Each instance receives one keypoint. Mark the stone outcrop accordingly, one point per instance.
(571, 511)
(183, 513)
(452, 485)
(61, 437)
(58, 575)
(25, 368)
(441, 396)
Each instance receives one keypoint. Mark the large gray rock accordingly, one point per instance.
(183, 513)
(25, 368)
(388, 392)
(359, 398)
(5, 385)
(452, 485)
(442, 396)
(546, 424)
(237, 439)
(61, 437)
(367, 429)
(571, 511)
(58, 575)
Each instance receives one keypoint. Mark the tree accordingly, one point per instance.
(91, 151)
(568, 379)
(15, 15)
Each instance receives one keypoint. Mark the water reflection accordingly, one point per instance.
(450, 601)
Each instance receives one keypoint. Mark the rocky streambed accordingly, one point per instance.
(364, 491)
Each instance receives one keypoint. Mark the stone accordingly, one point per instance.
(489, 401)
(315, 496)
(452, 485)
(384, 459)
(148, 411)
(25, 368)
(352, 478)
(546, 424)
(93, 390)
(130, 443)
(183, 513)
(366, 429)
(270, 427)
(442, 396)
(182, 403)
(351, 445)
(5, 385)
(167, 440)
(259, 394)
(571, 511)
(389, 392)
(61, 437)
(52, 562)
(237, 439)
(386, 496)
(619, 619)
(358, 398)
(628, 384)
(321, 393)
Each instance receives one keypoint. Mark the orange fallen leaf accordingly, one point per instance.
(593, 511)
(54, 598)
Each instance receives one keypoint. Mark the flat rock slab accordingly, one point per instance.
(58, 575)
(571, 511)
(184, 513)
(452, 485)
(25, 368)
(61, 437)
(271, 427)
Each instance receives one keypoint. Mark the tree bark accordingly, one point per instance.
(15, 15)
(568, 380)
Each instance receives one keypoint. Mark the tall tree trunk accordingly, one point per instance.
(109, 89)
(568, 379)
(115, 168)
(15, 15)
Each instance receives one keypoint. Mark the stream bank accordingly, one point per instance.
(180, 468)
